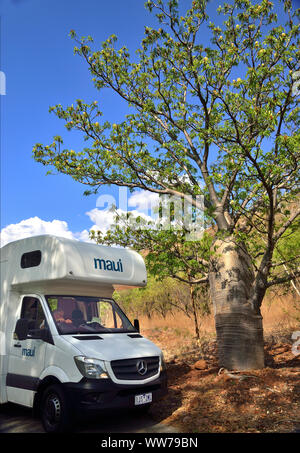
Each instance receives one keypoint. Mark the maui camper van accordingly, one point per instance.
(65, 344)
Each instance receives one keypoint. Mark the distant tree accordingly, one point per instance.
(164, 297)
(222, 120)
(286, 258)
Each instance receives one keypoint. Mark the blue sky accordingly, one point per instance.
(41, 70)
(36, 56)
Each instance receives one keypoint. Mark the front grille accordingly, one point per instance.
(128, 369)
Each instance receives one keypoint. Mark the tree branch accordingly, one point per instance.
(280, 280)
(286, 225)
(191, 282)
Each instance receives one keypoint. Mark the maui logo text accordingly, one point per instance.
(108, 265)
(28, 352)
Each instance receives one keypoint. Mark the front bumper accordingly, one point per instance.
(95, 395)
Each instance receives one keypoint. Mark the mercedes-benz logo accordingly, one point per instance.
(141, 367)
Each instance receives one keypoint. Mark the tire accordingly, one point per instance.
(55, 412)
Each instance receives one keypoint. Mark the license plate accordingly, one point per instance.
(143, 399)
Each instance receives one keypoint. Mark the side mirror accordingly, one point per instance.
(22, 329)
(136, 324)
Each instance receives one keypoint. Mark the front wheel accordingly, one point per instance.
(54, 410)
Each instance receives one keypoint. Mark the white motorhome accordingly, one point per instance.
(65, 345)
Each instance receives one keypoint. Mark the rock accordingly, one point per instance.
(187, 419)
(200, 365)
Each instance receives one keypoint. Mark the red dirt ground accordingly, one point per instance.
(203, 398)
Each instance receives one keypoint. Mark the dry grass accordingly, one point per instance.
(281, 314)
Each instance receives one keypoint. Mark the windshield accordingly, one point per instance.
(81, 314)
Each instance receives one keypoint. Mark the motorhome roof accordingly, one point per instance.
(50, 258)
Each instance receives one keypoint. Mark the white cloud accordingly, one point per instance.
(34, 226)
(83, 236)
(102, 219)
(144, 200)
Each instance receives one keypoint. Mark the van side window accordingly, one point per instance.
(33, 311)
(31, 259)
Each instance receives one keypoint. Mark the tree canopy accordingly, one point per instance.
(218, 119)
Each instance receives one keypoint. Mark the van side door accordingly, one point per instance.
(27, 357)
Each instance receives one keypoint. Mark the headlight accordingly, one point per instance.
(91, 368)
(162, 363)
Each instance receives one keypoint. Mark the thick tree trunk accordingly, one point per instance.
(238, 324)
